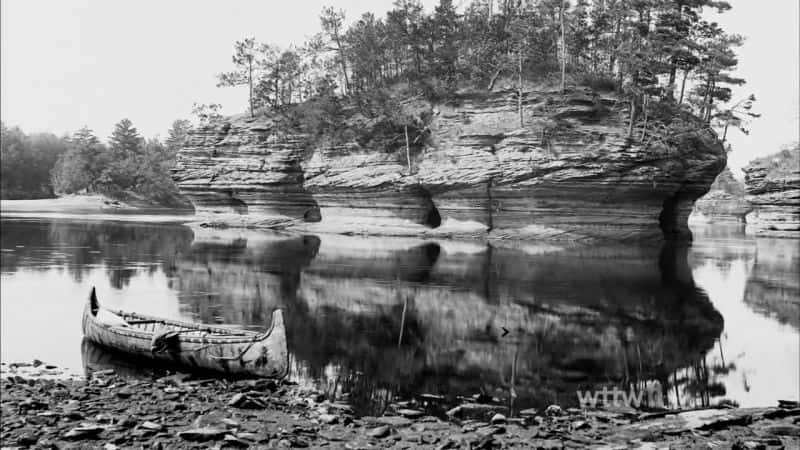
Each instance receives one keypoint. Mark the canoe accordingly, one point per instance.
(193, 346)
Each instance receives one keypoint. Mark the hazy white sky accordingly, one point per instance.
(70, 63)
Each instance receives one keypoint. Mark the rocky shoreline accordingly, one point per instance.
(106, 410)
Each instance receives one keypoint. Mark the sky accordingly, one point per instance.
(65, 64)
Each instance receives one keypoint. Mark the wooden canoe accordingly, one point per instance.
(189, 345)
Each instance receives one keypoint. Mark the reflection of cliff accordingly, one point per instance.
(574, 317)
(722, 245)
(774, 286)
(240, 279)
(124, 249)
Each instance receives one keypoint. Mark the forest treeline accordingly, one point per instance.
(42, 165)
(656, 53)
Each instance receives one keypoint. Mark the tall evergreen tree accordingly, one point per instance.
(177, 134)
(446, 43)
(244, 59)
(80, 168)
(125, 148)
(332, 22)
(125, 141)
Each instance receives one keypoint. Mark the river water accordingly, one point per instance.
(373, 320)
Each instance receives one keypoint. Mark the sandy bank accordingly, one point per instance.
(91, 207)
(68, 204)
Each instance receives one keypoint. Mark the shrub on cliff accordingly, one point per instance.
(374, 119)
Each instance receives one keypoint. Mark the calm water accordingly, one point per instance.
(374, 320)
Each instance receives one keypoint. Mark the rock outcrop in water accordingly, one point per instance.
(724, 202)
(773, 189)
(569, 173)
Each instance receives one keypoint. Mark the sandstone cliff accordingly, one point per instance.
(724, 202)
(569, 173)
(773, 189)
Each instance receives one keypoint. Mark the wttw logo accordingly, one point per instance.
(618, 398)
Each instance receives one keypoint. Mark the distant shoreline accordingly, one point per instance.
(91, 207)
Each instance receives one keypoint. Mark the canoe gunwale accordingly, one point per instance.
(223, 336)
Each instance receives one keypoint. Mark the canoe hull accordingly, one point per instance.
(243, 354)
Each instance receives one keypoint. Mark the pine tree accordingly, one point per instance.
(126, 148)
(445, 34)
(713, 72)
(81, 167)
(125, 141)
(176, 136)
(244, 59)
(331, 21)
(84, 137)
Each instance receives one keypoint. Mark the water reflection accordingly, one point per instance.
(374, 319)
(773, 288)
(123, 250)
(754, 282)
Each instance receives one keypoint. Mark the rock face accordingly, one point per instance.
(569, 173)
(725, 201)
(773, 188)
(244, 167)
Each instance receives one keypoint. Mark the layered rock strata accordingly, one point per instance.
(773, 190)
(724, 202)
(244, 167)
(568, 173)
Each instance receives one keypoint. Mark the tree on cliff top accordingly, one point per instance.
(636, 47)
(737, 115)
(331, 21)
(244, 60)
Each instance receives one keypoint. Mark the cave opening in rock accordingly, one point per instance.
(667, 217)
(312, 214)
(431, 218)
(673, 219)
